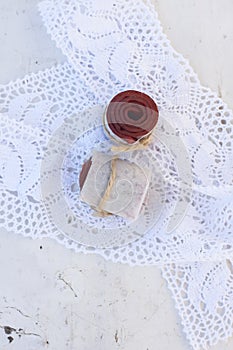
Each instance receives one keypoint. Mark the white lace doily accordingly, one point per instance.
(112, 46)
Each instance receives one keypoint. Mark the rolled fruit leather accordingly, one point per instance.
(130, 117)
(128, 190)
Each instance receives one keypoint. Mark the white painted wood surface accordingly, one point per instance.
(62, 300)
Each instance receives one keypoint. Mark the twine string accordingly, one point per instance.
(112, 178)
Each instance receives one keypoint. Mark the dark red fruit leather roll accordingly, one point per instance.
(84, 172)
(131, 115)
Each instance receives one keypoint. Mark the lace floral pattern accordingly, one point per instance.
(110, 49)
(202, 292)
